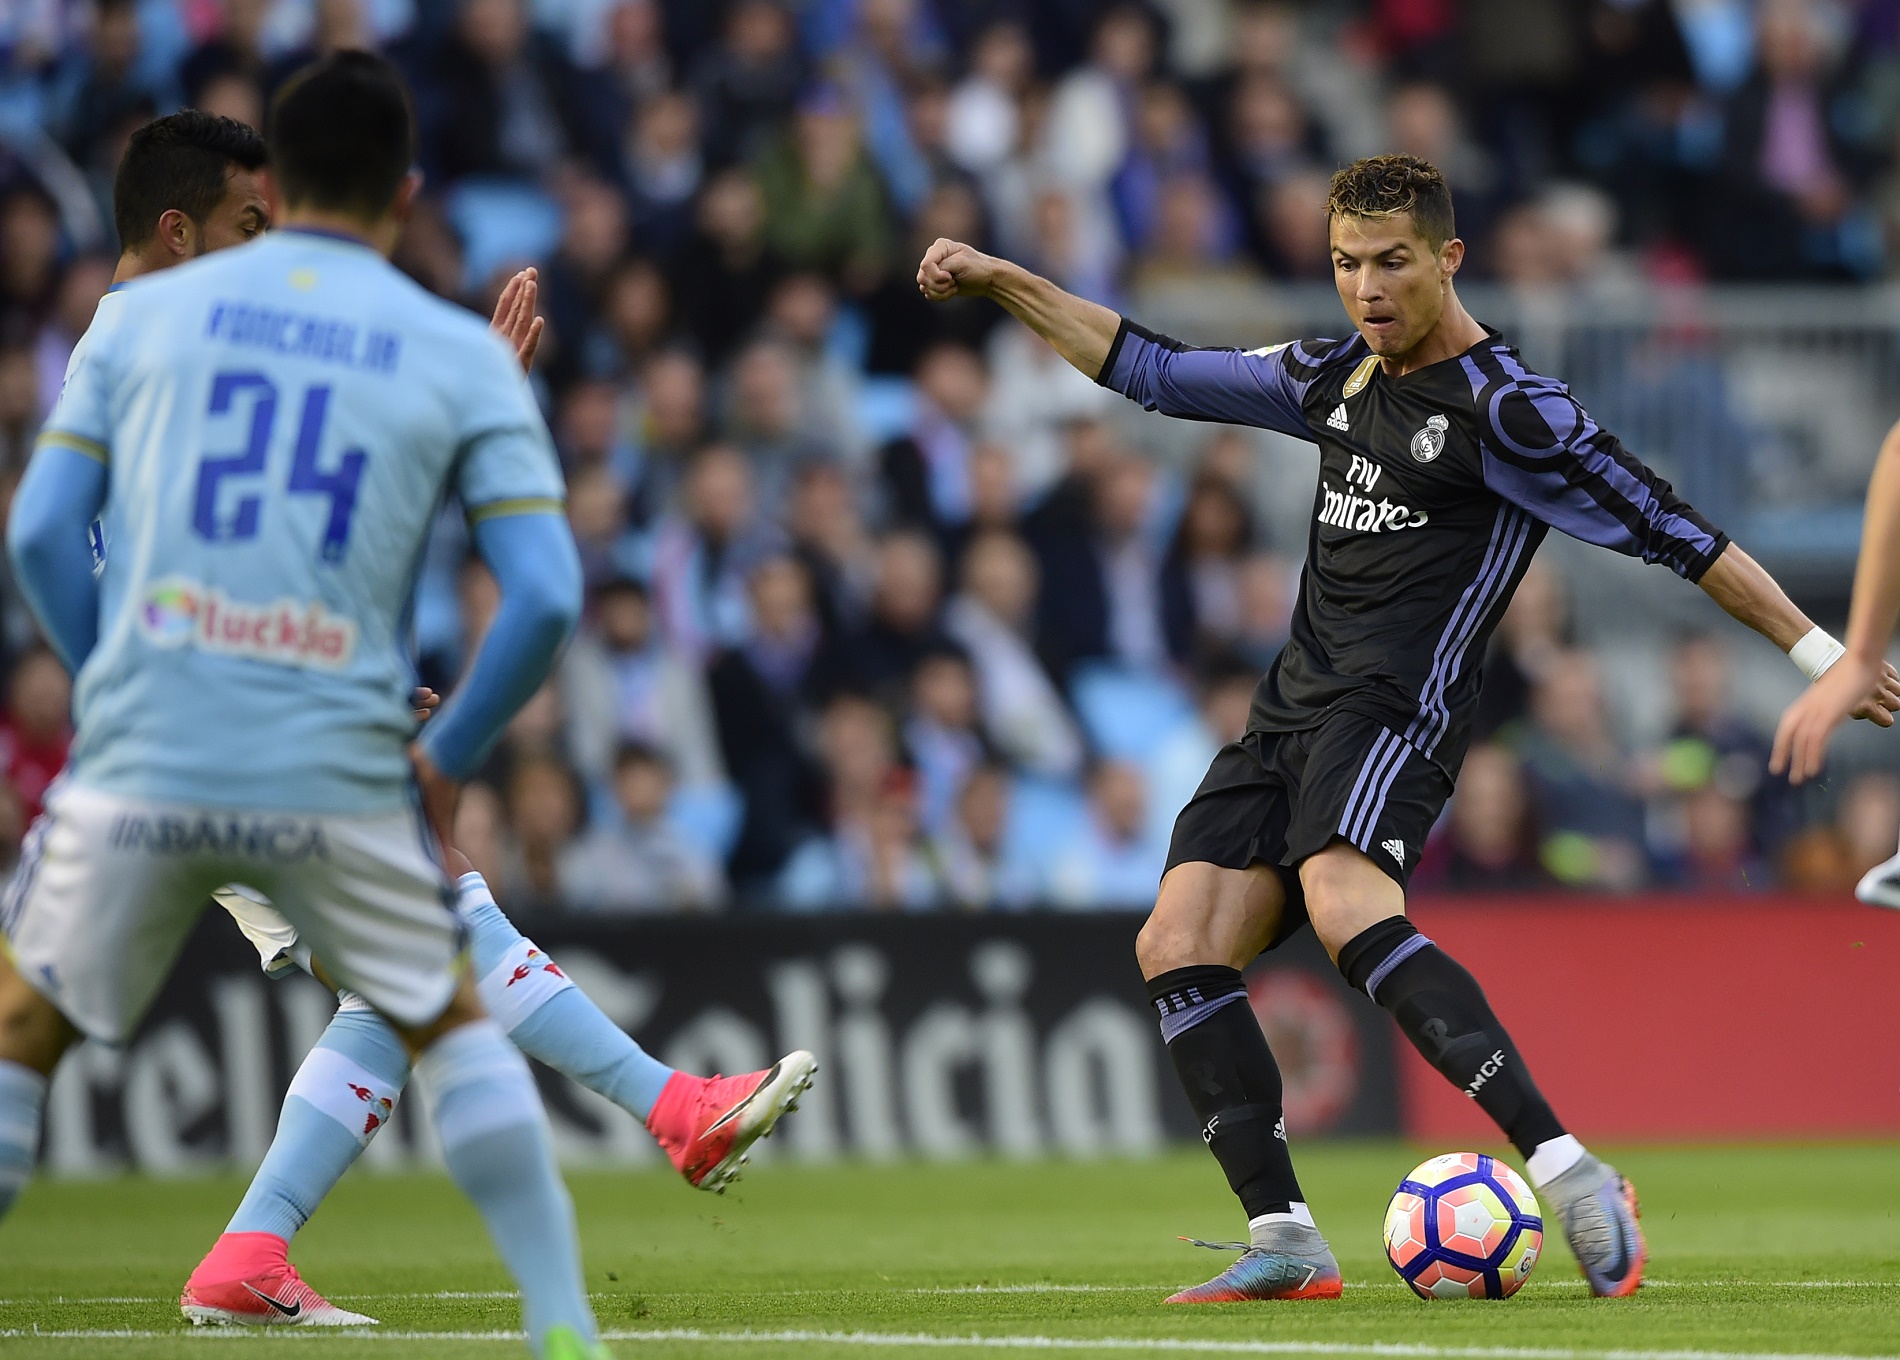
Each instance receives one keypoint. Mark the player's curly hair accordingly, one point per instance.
(1385, 186)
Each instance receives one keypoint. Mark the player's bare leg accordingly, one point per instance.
(1358, 911)
(1208, 923)
(33, 1036)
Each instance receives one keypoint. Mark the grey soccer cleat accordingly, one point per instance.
(1292, 1261)
(1599, 1213)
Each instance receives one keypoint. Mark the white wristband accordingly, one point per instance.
(1815, 653)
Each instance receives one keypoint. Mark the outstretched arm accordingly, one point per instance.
(1079, 330)
(57, 501)
(1801, 739)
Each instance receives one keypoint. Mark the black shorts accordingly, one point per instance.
(1279, 797)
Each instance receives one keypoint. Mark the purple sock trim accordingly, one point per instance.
(1393, 960)
(1176, 1023)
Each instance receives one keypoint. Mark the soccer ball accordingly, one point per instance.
(1463, 1226)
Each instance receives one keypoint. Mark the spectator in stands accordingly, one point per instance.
(767, 421)
(35, 730)
(1112, 861)
(745, 86)
(546, 809)
(1200, 576)
(597, 513)
(991, 619)
(874, 855)
(978, 875)
(104, 90)
(925, 472)
(764, 693)
(1791, 152)
(638, 863)
(235, 48)
(620, 684)
(1718, 853)
(824, 207)
(1709, 744)
(29, 259)
(661, 423)
(663, 168)
(701, 555)
(941, 733)
(1264, 589)
(19, 406)
(905, 623)
(1489, 843)
(724, 272)
(830, 538)
(1590, 823)
(508, 102)
(800, 317)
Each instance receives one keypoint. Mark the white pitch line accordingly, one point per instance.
(948, 1289)
(1378, 1350)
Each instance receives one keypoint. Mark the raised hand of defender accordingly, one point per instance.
(1850, 688)
(952, 269)
(515, 320)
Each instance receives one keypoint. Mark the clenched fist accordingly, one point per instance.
(952, 269)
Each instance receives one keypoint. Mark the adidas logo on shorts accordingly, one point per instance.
(1396, 849)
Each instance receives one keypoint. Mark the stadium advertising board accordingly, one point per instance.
(1678, 1018)
(939, 1036)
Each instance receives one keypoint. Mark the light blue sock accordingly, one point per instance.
(548, 1017)
(22, 1099)
(343, 1093)
(495, 1139)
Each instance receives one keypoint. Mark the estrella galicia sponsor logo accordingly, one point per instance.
(1429, 442)
(178, 612)
(278, 840)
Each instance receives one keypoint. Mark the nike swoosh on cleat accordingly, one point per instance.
(740, 1108)
(289, 1310)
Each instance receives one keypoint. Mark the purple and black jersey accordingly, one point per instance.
(1434, 491)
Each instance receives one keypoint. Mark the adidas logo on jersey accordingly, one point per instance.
(1396, 849)
(1337, 420)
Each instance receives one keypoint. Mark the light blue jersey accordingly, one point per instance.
(280, 422)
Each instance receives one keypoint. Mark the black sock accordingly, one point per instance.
(1231, 1081)
(1443, 1012)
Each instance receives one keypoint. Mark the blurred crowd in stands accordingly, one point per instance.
(887, 606)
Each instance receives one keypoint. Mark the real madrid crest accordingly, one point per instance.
(1429, 442)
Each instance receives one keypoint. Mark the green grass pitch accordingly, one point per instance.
(1762, 1251)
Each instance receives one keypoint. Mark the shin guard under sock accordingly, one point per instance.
(1443, 1012)
(1231, 1082)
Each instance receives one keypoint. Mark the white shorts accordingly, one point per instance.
(278, 947)
(109, 887)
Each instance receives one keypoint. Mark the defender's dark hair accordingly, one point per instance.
(342, 135)
(179, 161)
(1385, 186)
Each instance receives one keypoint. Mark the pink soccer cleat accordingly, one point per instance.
(246, 1281)
(706, 1124)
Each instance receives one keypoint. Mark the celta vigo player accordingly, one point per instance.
(189, 184)
(1443, 462)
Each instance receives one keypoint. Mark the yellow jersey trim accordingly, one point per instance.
(63, 439)
(524, 505)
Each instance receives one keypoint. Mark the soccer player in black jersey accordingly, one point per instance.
(1443, 462)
